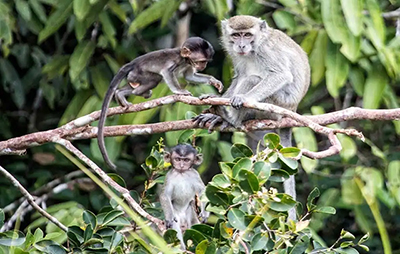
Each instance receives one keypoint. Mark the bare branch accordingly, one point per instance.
(31, 199)
(124, 192)
(79, 129)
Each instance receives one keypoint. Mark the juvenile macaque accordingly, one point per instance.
(269, 67)
(181, 187)
(147, 71)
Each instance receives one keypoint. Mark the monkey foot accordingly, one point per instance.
(203, 119)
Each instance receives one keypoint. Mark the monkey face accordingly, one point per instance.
(182, 163)
(242, 42)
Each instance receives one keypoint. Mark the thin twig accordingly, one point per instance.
(123, 191)
(31, 199)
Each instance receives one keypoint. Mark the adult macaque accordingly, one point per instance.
(147, 71)
(269, 67)
(182, 185)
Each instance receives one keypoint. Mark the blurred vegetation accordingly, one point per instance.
(58, 57)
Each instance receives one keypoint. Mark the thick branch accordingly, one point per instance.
(79, 129)
(31, 199)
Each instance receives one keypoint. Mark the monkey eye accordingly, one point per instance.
(201, 62)
(248, 35)
(235, 35)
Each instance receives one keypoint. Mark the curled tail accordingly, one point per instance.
(121, 74)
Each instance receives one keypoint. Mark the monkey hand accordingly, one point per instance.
(203, 216)
(237, 101)
(202, 119)
(170, 223)
(216, 83)
(183, 92)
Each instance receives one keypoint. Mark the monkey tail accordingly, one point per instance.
(121, 74)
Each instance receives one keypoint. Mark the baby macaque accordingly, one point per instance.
(182, 185)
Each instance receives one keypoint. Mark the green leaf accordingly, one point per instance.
(88, 233)
(244, 163)
(169, 11)
(170, 236)
(12, 83)
(311, 197)
(272, 140)
(117, 10)
(350, 192)
(346, 235)
(248, 181)
(262, 170)
(206, 230)
(39, 10)
(241, 150)
(357, 80)
(23, 9)
(278, 175)
(325, 209)
(284, 20)
(55, 249)
(337, 69)
(149, 15)
(80, 58)
(333, 20)
(216, 196)
(375, 85)
(56, 20)
(89, 218)
(309, 41)
(56, 66)
(364, 238)
(305, 138)
(81, 9)
(108, 28)
(353, 13)
(285, 204)
(393, 176)
(225, 169)
(236, 218)
(259, 241)
(194, 235)
(290, 152)
(110, 216)
(377, 19)
(301, 245)
(221, 180)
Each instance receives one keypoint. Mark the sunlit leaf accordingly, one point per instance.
(352, 10)
(375, 85)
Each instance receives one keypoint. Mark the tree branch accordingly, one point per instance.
(31, 199)
(79, 129)
(123, 191)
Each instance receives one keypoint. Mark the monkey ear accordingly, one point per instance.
(185, 52)
(263, 25)
(167, 157)
(199, 159)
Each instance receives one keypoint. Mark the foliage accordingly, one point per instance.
(58, 57)
(249, 215)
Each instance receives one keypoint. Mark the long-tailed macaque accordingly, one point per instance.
(269, 67)
(182, 185)
(147, 71)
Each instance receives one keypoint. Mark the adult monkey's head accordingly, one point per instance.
(241, 34)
